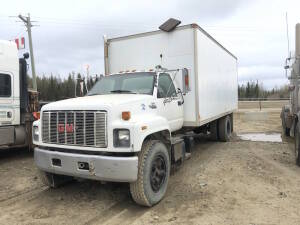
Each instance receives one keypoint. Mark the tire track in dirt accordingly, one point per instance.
(123, 212)
(24, 195)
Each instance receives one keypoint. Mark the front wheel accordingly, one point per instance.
(297, 146)
(153, 174)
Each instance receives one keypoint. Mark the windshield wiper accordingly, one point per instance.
(123, 91)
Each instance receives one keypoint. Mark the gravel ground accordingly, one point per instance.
(239, 182)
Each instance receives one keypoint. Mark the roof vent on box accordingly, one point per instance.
(169, 25)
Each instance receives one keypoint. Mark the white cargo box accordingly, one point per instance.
(213, 76)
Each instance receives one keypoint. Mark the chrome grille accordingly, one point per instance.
(79, 128)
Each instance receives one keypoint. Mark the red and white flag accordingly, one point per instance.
(20, 42)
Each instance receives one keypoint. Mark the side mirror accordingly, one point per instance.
(291, 88)
(182, 98)
(26, 55)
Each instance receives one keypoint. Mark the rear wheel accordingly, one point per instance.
(225, 128)
(213, 129)
(285, 129)
(297, 146)
(153, 174)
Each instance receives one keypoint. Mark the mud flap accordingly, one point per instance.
(54, 180)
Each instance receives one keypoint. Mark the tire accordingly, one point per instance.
(225, 129)
(53, 180)
(213, 129)
(231, 121)
(154, 161)
(286, 130)
(297, 146)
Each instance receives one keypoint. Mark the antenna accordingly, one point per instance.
(287, 34)
(288, 45)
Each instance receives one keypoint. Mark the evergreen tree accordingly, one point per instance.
(52, 88)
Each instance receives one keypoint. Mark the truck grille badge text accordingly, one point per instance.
(69, 128)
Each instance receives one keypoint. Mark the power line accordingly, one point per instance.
(101, 24)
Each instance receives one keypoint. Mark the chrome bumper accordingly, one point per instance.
(105, 168)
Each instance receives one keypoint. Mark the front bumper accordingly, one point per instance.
(104, 168)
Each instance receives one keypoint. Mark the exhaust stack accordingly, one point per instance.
(297, 39)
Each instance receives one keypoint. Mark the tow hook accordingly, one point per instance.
(92, 169)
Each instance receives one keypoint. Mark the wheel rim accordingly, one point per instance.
(158, 173)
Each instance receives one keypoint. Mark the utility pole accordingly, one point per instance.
(28, 25)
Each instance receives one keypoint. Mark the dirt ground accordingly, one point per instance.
(239, 182)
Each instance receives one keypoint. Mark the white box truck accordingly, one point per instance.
(136, 121)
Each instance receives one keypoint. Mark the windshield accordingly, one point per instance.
(128, 83)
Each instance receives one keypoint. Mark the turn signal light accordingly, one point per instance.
(126, 115)
(36, 115)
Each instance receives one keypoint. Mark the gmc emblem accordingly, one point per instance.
(69, 128)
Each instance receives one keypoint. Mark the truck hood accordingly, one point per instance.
(96, 102)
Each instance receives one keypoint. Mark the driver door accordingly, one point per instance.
(169, 102)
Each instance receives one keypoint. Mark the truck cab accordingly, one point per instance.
(159, 85)
(113, 121)
(9, 84)
(15, 108)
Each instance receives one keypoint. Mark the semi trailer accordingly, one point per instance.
(18, 104)
(159, 89)
(290, 113)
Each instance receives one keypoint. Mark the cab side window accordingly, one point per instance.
(166, 87)
(5, 85)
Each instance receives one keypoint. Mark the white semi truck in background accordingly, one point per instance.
(136, 121)
(290, 113)
(18, 105)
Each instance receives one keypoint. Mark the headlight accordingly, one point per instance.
(121, 138)
(35, 133)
